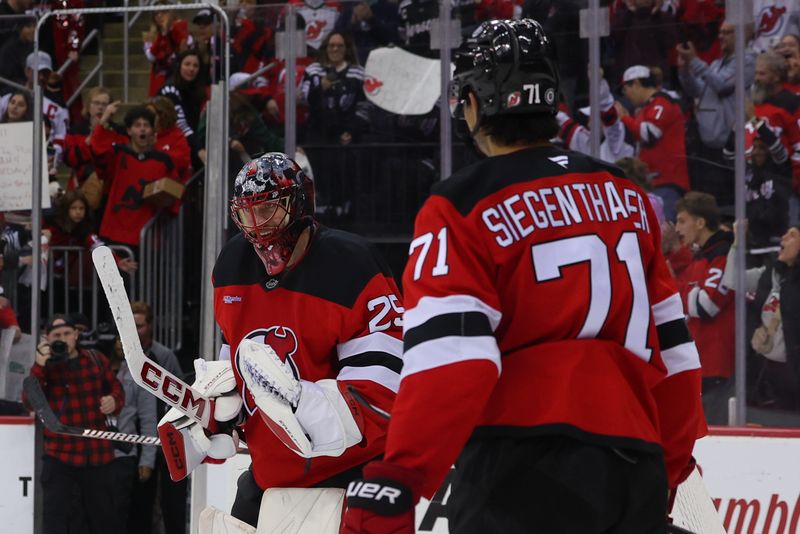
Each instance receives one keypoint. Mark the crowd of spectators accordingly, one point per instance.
(667, 110)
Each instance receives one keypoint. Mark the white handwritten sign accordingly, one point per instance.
(16, 167)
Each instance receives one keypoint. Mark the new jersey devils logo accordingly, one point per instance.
(513, 99)
(772, 304)
(770, 20)
(283, 341)
(314, 30)
(372, 85)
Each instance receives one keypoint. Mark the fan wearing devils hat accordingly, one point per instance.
(323, 306)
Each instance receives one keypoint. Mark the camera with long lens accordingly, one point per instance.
(59, 352)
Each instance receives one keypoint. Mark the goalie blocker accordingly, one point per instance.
(185, 442)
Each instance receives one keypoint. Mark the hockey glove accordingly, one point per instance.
(185, 443)
(311, 418)
(383, 502)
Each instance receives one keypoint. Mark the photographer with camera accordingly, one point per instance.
(82, 390)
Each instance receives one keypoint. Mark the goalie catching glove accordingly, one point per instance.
(311, 418)
(186, 444)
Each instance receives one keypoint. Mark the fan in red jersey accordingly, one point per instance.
(659, 128)
(545, 347)
(312, 322)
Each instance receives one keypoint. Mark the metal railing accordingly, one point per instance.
(66, 292)
(161, 244)
(13, 84)
(36, 188)
(96, 70)
(6, 81)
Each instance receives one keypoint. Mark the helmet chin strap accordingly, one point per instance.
(468, 136)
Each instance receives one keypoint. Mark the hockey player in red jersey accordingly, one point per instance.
(312, 322)
(545, 347)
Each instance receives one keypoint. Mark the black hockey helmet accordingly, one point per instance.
(273, 202)
(510, 67)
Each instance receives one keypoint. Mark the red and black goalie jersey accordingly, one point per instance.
(336, 314)
(537, 292)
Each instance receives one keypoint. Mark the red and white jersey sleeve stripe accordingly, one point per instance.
(449, 324)
(439, 331)
(375, 357)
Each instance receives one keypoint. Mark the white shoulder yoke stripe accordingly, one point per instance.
(429, 307)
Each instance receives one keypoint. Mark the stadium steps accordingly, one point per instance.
(113, 59)
(138, 70)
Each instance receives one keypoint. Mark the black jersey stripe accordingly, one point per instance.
(337, 267)
(150, 154)
(464, 324)
(368, 359)
(673, 333)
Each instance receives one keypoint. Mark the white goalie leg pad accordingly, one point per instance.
(326, 418)
(301, 511)
(213, 521)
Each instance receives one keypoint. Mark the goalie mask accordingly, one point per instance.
(273, 202)
(509, 65)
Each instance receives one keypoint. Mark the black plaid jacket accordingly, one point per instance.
(73, 389)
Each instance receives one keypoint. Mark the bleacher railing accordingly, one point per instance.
(97, 69)
(160, 276)
(72, 284)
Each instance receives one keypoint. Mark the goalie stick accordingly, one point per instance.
(38, 401)
(146, 373)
